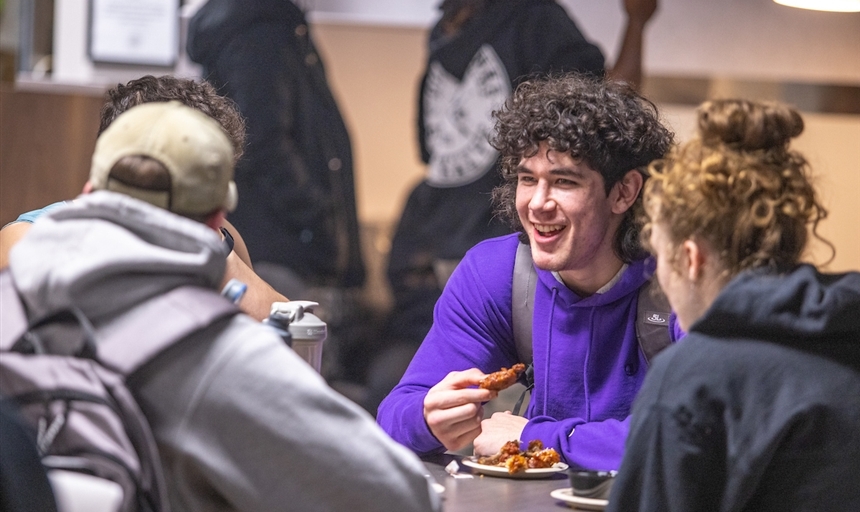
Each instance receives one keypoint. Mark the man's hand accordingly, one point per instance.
(640, 11)
(453, 409)
(498, 430)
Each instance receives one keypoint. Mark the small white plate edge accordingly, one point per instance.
(566, 494)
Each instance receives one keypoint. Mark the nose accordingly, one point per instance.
(542, 200)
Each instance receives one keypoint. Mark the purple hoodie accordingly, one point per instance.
(587, 363)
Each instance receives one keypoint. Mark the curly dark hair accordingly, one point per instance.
(605, 124)
(199, 95)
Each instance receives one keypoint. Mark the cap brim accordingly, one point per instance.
(232, 198)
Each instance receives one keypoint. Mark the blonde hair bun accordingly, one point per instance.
(748, 126)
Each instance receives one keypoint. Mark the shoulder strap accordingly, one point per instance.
(522, 302)
(136, 337)
(652, 319)
(522, 308)
(14, 318)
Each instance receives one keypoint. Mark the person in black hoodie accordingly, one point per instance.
(758, 407)
(296, 176)
(298, 214)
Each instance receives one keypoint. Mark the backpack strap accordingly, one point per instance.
(652, 319)
(522, 302)
(139, 335)
(135, 337)
(522, 307)
(14, 323)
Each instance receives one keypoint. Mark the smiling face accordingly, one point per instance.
(569, 218)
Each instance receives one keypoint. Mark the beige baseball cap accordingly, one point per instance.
(191, 145)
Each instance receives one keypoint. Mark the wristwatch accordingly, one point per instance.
(228, 239)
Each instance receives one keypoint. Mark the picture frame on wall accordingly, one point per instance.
(141, 32)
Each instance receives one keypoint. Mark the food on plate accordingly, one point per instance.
(503, 378)
(510, 457)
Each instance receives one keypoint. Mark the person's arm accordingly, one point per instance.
(591, 445)
(259, 296)
(471, 330)
(243, 420)
(9, 236)
(15, 230)
(628, 64)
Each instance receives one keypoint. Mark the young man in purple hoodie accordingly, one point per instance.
(573, 154)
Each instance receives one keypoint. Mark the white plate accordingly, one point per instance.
(502, 471)
(566, 495)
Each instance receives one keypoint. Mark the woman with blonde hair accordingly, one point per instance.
(758, 407)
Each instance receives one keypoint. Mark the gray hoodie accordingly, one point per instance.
(242, 422)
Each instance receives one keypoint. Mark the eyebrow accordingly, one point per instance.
(562, 171)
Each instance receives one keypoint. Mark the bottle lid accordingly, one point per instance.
(303, 325)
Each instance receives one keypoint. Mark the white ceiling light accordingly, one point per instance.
(824, 5)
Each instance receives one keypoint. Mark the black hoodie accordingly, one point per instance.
(296, 188)
(758, 407)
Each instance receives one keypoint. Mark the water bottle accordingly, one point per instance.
(307, 331)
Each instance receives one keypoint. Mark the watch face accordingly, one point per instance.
(458, 118)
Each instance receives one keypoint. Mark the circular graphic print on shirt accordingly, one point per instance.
(458, 118)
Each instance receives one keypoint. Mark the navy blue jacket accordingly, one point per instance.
(757, 408)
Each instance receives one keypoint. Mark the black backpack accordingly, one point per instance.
(652, 316)
(70, 389)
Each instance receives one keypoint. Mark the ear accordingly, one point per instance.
(216, 219)
(625, 192)
(88, 187)
(696, 256)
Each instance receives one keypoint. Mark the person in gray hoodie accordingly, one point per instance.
(241, 422)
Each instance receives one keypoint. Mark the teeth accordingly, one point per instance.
(543, 228)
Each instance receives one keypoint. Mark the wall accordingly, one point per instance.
(374, 69)
(46, 143)
(753, 39)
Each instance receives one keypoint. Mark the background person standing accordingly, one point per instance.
(298, 210)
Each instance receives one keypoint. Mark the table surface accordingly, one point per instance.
(496, 494)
